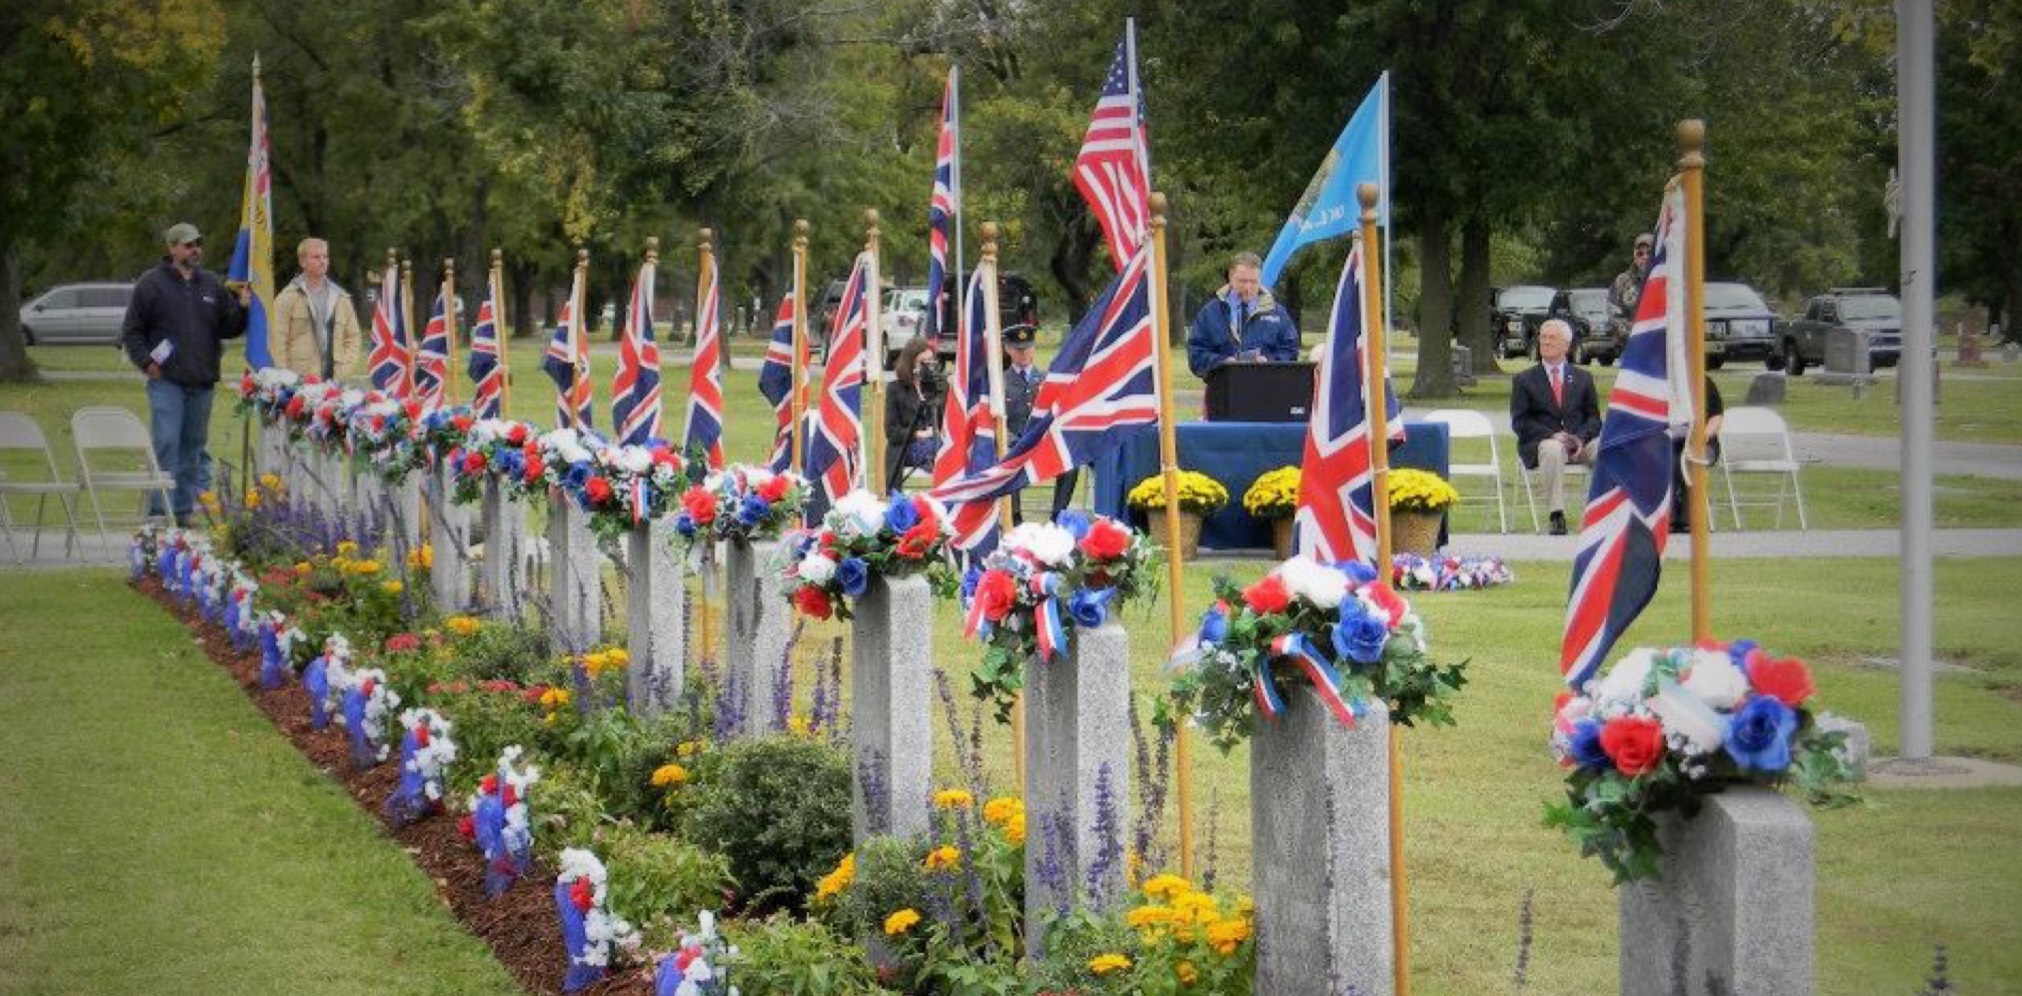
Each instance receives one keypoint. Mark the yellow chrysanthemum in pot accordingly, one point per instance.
(1198, 493)
(1275, 495)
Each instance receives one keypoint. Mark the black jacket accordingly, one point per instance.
(1535, 417)
(197, 314)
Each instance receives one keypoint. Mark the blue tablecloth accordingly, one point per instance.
(1236, 454)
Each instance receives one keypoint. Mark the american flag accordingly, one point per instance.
(568, 364)
(969, 432)
(1099, 385)
(1336, 519)
(487, 372)
(775, 382)
(635, 390)
(1628, 517)
(1113, 171)
(390, 363)
(431, 358)
(705, 377)
(834, 450)
(942, 208)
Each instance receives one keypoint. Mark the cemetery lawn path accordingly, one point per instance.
(158, 835)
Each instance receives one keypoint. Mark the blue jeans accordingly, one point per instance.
(180, 422)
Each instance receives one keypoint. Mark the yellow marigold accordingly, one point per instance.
(1167, 887)
(1014, 828)
(252, 498)
(1103, 964)
(1197, 492)
(999, 811)
(302, 568)
(944, 858)
(688, 748)
(462, 625)
(365, 567)
(208, 499)
(799, 726)
(1188, 974)
(1150, 916)
(270, 481)
(836, 881)
(393, 587)
(902, 921)
(421, 557)
(555, 698)
(1227, 935)
(346, 548)
(953, 799)
(669, 775)
(1198, 907)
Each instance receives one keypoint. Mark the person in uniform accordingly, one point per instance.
(1022, 377)
(1627, 290)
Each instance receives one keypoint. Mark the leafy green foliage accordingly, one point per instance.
(794, 958)
(658, 881)
(779, 809)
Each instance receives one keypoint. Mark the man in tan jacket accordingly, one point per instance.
(316, 328)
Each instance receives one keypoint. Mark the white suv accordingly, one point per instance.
(89, 313)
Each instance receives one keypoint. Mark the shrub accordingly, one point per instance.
(784, 957)
(779, 808)
(658, 881)
(565, 810)
(618, 753)
(484, 722)
(498, 652)
(890, 875)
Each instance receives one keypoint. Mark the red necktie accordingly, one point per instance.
(1558, 388)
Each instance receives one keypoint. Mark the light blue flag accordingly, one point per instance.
(1328, 207)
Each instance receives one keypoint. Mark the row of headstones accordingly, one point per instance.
(1733, 912)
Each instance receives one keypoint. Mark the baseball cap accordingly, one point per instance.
(1645, 240)
(181, 233)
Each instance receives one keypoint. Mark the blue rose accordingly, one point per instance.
(751, 511)
(969, 579)
(799, 542)
(853, 575)
(1075, 521)
(1738, 653)
(1585, 745)
(1360, 636)
(1089, 606)
(1758, 737)
(901, 516)
(1359, 573)
(510, 463)
(1214, 626)
(685, 525)
(576, 476)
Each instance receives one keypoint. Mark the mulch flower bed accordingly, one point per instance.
(520, 926)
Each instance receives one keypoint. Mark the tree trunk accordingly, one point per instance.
(15, 364)
(1471, 300)
(1435, 308)
(520, 274)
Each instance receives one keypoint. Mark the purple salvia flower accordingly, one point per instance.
(729, 709)
(876, 794)
(1108, 839)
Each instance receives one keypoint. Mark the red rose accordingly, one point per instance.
(580, 895)
(998, 593)
(421, 735)
(1268, 595)
(366, 688)
(775, 489)
(510, 797)
(467, 827)
(534, 467)
(489, 785)
(473, 462)
(1784, 679)
(916, 541)
(413, 410)
(246, 383)
(462, 423)
(401, 643)
(517, 435)
(295, 406)
(1105, 540)
(311, 379)
(598, 489)
(812, 601)
(667, 458)
(700, 505)
(1633, 743)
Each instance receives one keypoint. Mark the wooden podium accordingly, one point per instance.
(1260, 392)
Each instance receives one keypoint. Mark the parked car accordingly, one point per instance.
(1586, 309)
(1869, 309)
(1739, 326)
(1515, 314)
(88, 313)
(1017, 304)
(901, 313)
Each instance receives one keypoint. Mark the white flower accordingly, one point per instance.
(816, 569)
(1322, 586)
(1687, 718)
(1713, 678)
(1048, 544)
(1624, 681)
(858, 514)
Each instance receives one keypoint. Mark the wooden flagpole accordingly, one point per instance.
(449, 330)
(798, 398)
(705, 266)
(1168, 458)
(1692, 167)
(578, 349)
(495, 286)
(993, 359)
(873, 395)
(1378, 403)
(413, 344)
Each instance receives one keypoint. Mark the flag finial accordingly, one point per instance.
(449, 269)
(989, 242)
(392, 256)
(582, 258)
(1691, 143)
(1367, 194)
(706, 240)
(871, 228)
(498, 257)
(1158, 206)
(800, 230)
(652, 249)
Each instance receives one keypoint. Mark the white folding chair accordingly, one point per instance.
(1466, 423)
(1755, 442)
(20, 432)
(1575, 473)
(105, 428)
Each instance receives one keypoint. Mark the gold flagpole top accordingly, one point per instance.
(582, 258)
(990, 241)
(705, 240)
(392, 256)
(449, 269)
(1367, 194)
(871, 230)
(1691, 143)
(800, 230)
(498, 257)
(653, 249)
(1158, 207)
(406, 269)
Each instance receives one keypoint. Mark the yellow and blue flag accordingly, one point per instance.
(1329, 207)
(253, 254)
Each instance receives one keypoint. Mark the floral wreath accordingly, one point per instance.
(1411, 572)
(434, 751)
(1352, 639)
(580, 889)
(1043, 579)
(863, 537)
(377, 702)
(493, 450)
(741, 502)
(1666, 728)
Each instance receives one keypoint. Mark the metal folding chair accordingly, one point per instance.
(1466, 423)
(21, 433)
(1756, 441)
(103, 428)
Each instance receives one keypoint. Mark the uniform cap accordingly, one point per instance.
(182, 233)
(1020, 335)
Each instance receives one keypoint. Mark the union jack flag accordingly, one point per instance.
(568, 364)
(834, 451)
(968, 440)
(431, 359)
(487, 372)
(1113, 170)
(1098, 386)
(1336, 519)
(1628, 517)
(775, 382)
(705, 378)
(942, 207)
(390, 364)
(635, 391)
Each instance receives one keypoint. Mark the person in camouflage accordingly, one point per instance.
(1627, 288)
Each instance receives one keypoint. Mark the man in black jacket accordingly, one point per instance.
(175, 327)
(1555, 413)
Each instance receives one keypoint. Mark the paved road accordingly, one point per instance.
(1994, 460)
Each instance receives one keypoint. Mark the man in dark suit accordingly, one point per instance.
(1556, 415)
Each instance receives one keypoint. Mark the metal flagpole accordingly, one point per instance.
(799, 396)
(1916, 115)
(495, 286)
(1692, 169)
(1376, 390)
(993, 348)
(449, 330)
(1168, 458)
(872, 445)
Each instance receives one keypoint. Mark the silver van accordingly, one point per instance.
(88, 313)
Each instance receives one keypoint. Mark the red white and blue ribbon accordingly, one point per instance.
(976, 625)
(638, 500)
(1046, 621)
(1263, 689)
(1299, 649)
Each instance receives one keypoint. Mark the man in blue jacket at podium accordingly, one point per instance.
(1242, 323)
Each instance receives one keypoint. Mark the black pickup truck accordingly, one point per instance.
(1869, 309)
